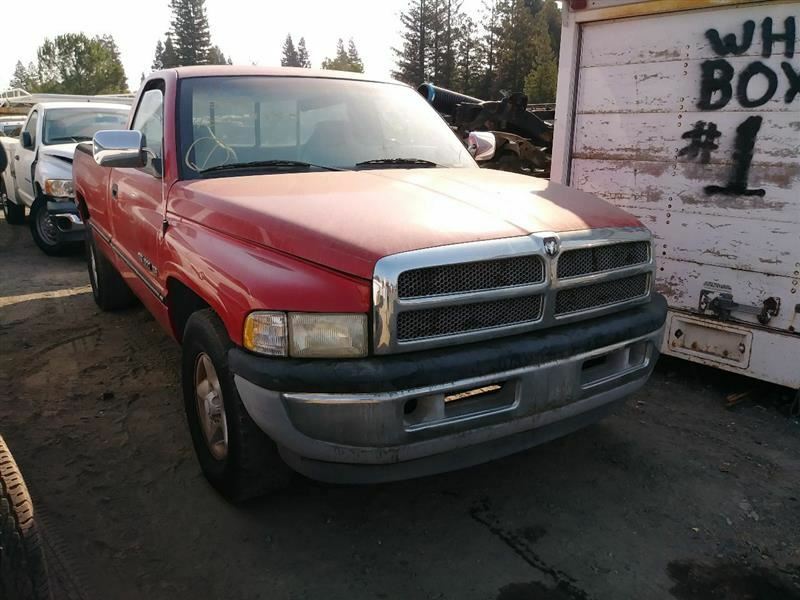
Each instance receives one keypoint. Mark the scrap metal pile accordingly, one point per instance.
(523, 135)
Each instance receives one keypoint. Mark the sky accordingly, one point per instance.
(250, 31)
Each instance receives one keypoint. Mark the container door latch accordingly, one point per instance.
(722, 305)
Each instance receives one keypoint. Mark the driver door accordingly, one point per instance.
(136, 205)
(24, 159)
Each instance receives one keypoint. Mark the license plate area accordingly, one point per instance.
(440, 409)
(714, 342)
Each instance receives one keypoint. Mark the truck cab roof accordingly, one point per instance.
(244, 70)
(93, 105)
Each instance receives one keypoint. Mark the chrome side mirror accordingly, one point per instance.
(121, 148)
(482, 145)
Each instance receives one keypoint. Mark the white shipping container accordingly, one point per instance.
(687, 114)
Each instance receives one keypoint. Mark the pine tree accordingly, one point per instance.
(216, 57)
(344, 60)
(158, 58)
(24, 77)
(169, 58)
(479, 57)
(303, 58)
(514, 51)
(534, 6)
(411, 59)
(540, 84)
(289, 57)
(356, 64)
(448, 24)
(492, 32)
(552, 16)
(192, 37)
(433, 26)
(469, 73)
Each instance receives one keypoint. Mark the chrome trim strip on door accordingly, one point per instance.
(148, 284)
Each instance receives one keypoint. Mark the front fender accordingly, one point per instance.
(235, 277)
(51, 167)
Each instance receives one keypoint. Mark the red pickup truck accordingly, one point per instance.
(354, 297)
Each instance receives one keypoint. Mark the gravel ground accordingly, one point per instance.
(674, 497)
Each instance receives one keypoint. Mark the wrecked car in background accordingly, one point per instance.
(505, 134)
(39, 173)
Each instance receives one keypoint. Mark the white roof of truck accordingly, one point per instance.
(19, 97)
(94, 105)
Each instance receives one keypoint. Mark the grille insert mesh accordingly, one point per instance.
(471, 276)
(601, 294)
(462, 318)
(584, 261)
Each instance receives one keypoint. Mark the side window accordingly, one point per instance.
(31, 127)
(149, 120)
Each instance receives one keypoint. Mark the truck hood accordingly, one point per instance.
(348, 220)
(63, 151)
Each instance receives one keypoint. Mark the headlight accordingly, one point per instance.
(316, 335)
(58, 188)
(306, 335)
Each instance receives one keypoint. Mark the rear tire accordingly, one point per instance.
(13, 213)
(23, 572)
(109, 289)
(43, 230)
(247, 464)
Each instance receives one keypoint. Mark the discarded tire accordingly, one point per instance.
(23, 573)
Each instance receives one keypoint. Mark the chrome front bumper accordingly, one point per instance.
(370, 437)
(67, 219)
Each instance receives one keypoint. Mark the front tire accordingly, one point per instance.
(236, 457)
(14, 213)
(109, 290)
(23, 571)
(44, 230)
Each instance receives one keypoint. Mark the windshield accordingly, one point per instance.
(327, 123)
(66, 125)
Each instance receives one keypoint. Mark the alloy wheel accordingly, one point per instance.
(210, 406)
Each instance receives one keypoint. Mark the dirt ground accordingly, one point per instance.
(674, 497)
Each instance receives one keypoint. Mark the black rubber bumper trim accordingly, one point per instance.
(55, 207)
(430, 367)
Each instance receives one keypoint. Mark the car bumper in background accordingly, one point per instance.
(401, 416)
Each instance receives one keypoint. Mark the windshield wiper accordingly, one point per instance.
(405, 162)
(279, 163)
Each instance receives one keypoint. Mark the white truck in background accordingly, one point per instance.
(11, 125)
(687, 114)
(39, 173)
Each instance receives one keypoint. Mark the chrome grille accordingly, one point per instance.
(474, 291)
(601, 294)
(461, 318)
(584, 261)
(470, 277)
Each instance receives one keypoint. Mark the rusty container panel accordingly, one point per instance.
(691, 120)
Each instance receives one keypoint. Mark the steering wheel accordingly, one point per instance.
(218, 145)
